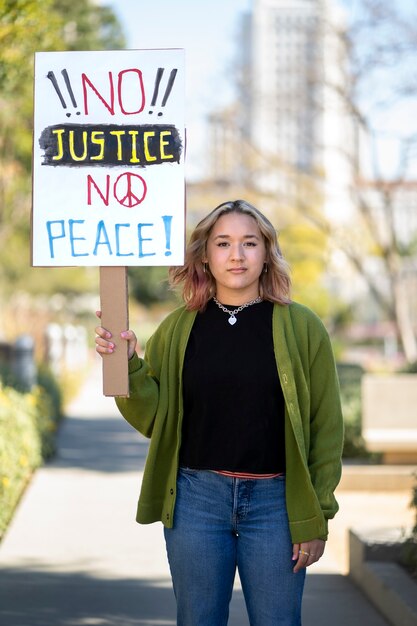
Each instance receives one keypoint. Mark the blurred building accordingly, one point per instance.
(284, 117)
(290, 119)
(292, 141)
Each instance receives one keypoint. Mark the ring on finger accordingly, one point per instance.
(304, 552)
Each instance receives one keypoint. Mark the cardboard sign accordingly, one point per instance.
(115, 318)
(108, 170)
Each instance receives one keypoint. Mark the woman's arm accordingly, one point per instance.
(139, 409)
(326, 428)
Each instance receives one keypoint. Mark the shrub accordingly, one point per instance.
(409, 552)
(350, 377)
(49, 400)
(28, 422)
(20, 448)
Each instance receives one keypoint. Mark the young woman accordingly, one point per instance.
(238, 392)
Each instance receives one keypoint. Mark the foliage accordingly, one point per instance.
(411, 368)
(149, 285)
(379, 91)
(409, 549)
(49, 389)
(88, 25)
(370, 88)
(27, 26)
(305, 248)
(27, 424)
(350, 377)
(413, 505)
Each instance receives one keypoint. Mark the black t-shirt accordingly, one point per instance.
(233, 402)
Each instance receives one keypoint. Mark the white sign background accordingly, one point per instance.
(88, 212)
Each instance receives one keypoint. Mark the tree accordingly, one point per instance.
(379, 91)
(364, 75)
(25, 27)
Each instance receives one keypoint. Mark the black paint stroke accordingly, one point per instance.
(159, 75)
(49, 143)
(169, 86)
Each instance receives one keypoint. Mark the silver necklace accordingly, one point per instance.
(232, 319)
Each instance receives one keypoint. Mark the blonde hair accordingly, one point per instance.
(199, 285)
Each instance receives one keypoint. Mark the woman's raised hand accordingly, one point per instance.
(105, 345)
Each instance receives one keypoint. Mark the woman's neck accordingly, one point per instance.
(235, 297)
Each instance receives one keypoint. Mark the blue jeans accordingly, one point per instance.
(221, 523)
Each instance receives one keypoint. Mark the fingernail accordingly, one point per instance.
(123, 334)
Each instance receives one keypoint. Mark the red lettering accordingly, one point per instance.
(87, 82)
(141, 91)
(104, 197)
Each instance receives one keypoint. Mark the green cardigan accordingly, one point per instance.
(313, 417)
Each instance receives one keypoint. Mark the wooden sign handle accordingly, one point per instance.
(115, 318)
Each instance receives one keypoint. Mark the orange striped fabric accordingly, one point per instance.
(246, 475)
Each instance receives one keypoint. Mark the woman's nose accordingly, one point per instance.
(237, 252)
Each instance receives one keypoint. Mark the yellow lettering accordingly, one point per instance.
(134, 157)
(59, 132)
(146, 137)
(162, 145)
(118, 134)
(99, 141)
(71, 146)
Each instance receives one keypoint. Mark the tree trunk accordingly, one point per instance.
(404, 323)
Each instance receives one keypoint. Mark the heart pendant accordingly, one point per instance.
(232, 320)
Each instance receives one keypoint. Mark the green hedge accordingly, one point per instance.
(350, 376)
(28, 422)
(409, 553)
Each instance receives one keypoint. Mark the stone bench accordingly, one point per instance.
(389, 416)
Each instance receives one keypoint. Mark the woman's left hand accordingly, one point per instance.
(307, 553)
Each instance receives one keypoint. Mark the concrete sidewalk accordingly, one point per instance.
(74, 556)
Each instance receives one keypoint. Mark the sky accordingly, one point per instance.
(209, 31)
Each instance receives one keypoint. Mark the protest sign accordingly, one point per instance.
(108, 172)
(108, 186)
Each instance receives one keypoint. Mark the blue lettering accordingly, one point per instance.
(51, 236)
(73, 238)
(101, 230)
(141, 240)
(118, 253)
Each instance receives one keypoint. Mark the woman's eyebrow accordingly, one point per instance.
(229, 236)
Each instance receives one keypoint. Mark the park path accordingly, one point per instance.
(74, 556)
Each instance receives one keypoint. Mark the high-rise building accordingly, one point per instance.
(294, 121)
(285, 116)
(291, 128)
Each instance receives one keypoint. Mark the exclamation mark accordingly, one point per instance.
(54, 81)
(167, 219)
(168, 89)
(159, 75)
(71, 93)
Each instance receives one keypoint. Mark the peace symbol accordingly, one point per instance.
(129, 189)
